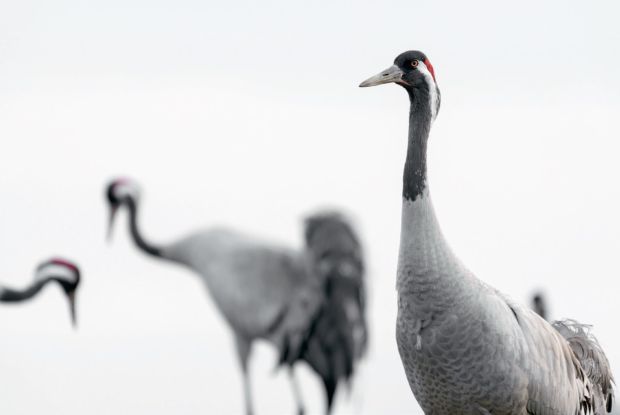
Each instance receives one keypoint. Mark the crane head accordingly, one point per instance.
(411, 69)
(118, 192)
(66, 274)
(539, 304)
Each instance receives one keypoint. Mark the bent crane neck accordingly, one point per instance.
(10, 295)
(142, 243)
(424, 253)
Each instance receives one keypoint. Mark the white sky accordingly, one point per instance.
(249, 114)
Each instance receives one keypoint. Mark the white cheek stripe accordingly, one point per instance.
(56, 271)
(127, 189)
(432, 87)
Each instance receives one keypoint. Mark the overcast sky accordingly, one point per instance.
(248, 114)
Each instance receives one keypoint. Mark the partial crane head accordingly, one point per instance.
(66, 274)
(411, 69)
(118, 192)
(539, 304)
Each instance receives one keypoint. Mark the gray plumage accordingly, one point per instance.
(270, 292)
(465, 347)
(588, 351)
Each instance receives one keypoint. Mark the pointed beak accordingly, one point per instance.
(71, 297)
(113, 209)
(391, 74)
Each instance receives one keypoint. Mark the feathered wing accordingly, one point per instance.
(564, 366)
(263, 290)
(338, 335)
(593, 362)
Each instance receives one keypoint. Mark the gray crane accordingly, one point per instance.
(56, 270)
(309, 304)
(465, 347)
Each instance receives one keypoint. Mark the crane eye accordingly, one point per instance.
(414, 63)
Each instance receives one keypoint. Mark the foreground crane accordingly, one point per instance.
(309, 305)
(56, 270)
(465, 347)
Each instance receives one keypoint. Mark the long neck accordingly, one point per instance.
(414, 176)
(10, 295)
(424, 254)
(145, 246)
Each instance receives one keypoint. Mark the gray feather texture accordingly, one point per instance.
(465, 347)
(262, 290)
(308, 303)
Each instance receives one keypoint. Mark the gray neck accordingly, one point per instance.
(10, 295)
(140, 241)
(420, 118)
(424, 253)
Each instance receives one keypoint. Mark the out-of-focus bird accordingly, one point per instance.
(465, 347)
(539, 304)
(63, 272)
(309, 304)
(338, 334)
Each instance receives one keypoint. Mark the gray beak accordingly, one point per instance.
(391, 74)
(113, 210)
(71, 296)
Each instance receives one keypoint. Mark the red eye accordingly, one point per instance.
(414, 63)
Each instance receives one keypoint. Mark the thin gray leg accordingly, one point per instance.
(243, 351)
(301, 410)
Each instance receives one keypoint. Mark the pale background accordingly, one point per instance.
(249, 114)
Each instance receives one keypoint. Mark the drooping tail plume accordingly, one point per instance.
(593, 362)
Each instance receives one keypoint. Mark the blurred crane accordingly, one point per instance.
(539, 304)
(309, 305)
(63, 272)
(465, 347)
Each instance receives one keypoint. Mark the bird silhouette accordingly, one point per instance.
(465, 347)
(56, 270)
(539, 304)
(309, 304)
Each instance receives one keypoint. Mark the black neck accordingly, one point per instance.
(135, 233)
(10, 295)
(414, 176)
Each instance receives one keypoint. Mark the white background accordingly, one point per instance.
(249, 114)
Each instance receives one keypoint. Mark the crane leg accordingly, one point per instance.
(301, 410)
(243, 351)
(330, 390)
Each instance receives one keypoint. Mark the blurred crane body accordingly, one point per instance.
(269, 292)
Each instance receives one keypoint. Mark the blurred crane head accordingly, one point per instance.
(410, 70)
(539, 304)
(66, 274)
(119, 191)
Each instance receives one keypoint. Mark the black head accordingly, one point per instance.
(66, 274)
(411, 69)
(539, 304)
(119, 191)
